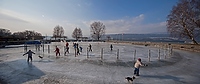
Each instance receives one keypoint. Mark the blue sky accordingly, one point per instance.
(119, 16)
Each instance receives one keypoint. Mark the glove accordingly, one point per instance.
(145, 65)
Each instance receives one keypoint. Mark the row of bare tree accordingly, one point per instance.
(97, 31)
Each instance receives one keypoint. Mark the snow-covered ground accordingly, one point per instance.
(181, 67)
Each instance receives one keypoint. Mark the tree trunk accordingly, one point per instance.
(194, 41)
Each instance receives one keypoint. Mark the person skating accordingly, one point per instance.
(29, 55)
(90, 47)
(137, 65)
(66, 50)
(77, 49)
(111, 47)
(57, 51)
(67, 44)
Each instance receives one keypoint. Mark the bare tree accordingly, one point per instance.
(184, 20)
(58, 32)
(77, 33)
(97, 30)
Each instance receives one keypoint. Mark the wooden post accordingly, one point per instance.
(117, 54)
(64, 49)
(43, 47)
(165, 53)
(26, 47)
(75, 52)
(159, 54)
(87, 53)
(134, 56)
(35, 47)
(48, 48)
(101, 53)
(168, 51)
(171, 51)
(149, 55)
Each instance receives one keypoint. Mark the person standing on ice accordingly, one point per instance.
(137, 65)
(29, 55)
(77, 49)
(111, 47)
(67, 44)
(66, 50)
(90, 47)
(57, 51)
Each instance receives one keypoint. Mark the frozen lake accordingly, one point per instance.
(94, 70)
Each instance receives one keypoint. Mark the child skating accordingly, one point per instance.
(137, 65)
(57, 51)
(29, 55)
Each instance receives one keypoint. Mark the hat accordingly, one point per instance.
(139, 59)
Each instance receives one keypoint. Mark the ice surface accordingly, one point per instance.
(181, 67)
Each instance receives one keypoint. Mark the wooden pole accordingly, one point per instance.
(165, 54)
(149, 55)
(75, 52)
(43, 47)
(159, 54)
(134, 55)
(48, 48)
(101, 53)
(87, 53)
(64, 49)
(168, 51)
(171, 51)
(117, 54)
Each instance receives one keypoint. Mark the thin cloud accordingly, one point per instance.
(131, 25)
(10, 15)
(7, 17)
(79, 5)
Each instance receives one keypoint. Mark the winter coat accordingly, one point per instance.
(29, 53)
(138, 64)
(57, 50)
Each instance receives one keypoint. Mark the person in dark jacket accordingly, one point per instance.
(29, 55)
(111, 47)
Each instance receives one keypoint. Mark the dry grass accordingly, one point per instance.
(180, 46)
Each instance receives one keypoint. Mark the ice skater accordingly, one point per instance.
(74, 45)
(57, 51)
(137, 65)
(90, 47)
(77, 49)
(29, 55)
(66, 50)
(111, 47)
(67, 44)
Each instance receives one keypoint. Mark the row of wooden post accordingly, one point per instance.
(117, 54)
(134, 54)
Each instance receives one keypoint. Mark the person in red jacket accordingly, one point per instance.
(57, 51)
